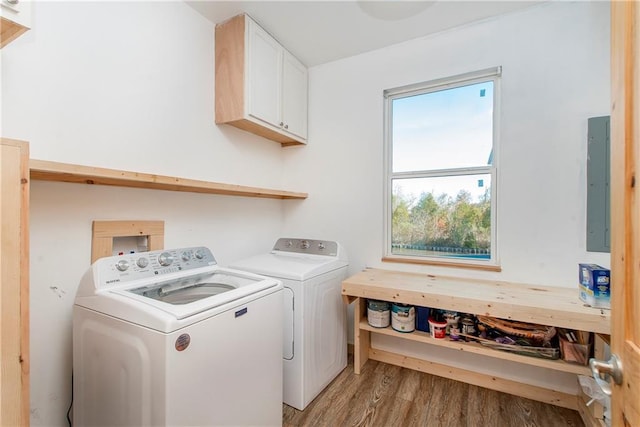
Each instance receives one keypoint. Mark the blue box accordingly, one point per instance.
(422, 318)
(595, 285)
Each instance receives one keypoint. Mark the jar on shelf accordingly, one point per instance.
(378, 313)
(403, 317)
(468, 326)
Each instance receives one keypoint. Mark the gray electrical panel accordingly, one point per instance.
(598, 188)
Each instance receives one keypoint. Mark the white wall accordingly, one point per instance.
(555, 60)
(126, 86)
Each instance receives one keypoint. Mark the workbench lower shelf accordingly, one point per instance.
(540, 394)
(476, 348)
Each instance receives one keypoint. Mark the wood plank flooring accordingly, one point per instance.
(386, 395)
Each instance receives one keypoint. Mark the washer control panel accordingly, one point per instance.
(116, 270)
(306, 246)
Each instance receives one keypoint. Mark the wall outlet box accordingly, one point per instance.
(595, 285)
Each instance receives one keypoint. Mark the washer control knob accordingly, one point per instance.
(321, 246)
(305, 244)
(186, 256)
(289, 243)
(165, 259)
(199, 253)
(122, 265)
(142, 262)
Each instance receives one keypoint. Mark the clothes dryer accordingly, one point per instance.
(169, 338)
(315, 318)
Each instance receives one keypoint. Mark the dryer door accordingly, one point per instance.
(288, 344)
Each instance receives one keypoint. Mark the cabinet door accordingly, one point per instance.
(263, 82)
(294, 96)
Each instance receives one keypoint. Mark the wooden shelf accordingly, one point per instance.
(476, 348)
(63, 172)
(9, 31)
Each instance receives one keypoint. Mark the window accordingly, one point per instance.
(440, 170)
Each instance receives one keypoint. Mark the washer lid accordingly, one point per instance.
(287, 265)
(183, 294)
(192, 295)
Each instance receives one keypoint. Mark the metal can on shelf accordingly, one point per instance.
(468, 326)
(403, 317)
(452, 318)
(378, 313)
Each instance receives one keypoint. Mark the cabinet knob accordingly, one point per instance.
(286, 126)
(281, 123)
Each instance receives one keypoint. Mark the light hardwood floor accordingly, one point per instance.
(386, 395)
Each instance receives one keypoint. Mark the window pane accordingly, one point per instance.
(444, 216)
(446, 129)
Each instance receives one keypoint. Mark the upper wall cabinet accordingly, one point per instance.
(260, 86)
(15, 19)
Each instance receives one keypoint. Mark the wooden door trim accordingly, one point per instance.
(625, 206)
(14, 286)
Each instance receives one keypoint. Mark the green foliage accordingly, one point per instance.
(442, 221)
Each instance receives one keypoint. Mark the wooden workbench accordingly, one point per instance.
(552, 306)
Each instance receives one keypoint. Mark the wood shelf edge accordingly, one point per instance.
(540, 394)
(422, 337)
(261, 129)
(9, 31)
(546, 305)
(44, 170)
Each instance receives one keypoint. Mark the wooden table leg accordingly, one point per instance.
(361, 338)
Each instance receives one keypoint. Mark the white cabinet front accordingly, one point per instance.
(276, 84)
(294, 96)
(264, 76)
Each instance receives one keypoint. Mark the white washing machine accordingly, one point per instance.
(315, 319)
(169, 338)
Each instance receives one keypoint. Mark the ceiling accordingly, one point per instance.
(323, 31)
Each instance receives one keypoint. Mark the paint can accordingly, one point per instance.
(468, 326)
(438, 328)
(452, 318)
(422, 318)
(454, 334)
(403, 317)
(378, 313)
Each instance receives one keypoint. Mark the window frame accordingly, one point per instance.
(490, 74)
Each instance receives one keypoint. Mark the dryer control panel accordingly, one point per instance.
(116, 270)
(307, 246)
